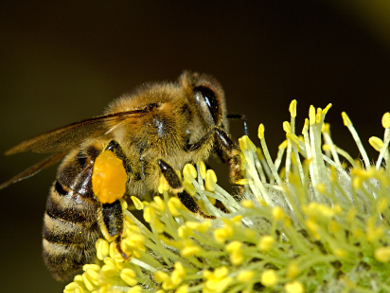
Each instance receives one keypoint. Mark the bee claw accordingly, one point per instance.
(119, 248)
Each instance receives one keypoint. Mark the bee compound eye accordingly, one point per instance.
(206, 97)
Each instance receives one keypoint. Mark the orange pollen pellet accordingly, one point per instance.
(109, 177)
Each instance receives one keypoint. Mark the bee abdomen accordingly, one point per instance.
(67, 205)
(70, 231)
(66, 260)
(56, 230)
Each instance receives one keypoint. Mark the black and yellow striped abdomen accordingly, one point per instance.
(70, 227)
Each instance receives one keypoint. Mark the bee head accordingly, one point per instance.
(207, 95)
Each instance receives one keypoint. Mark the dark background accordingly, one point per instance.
(61, 62)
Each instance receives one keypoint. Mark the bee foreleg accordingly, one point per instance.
(174, 182)
(230, 153)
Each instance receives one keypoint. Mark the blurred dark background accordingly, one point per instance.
(61, 62)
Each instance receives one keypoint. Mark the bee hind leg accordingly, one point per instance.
(174, 182)
(118, 241)
(229, 152)
(110, 213)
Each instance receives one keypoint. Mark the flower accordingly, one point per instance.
(319, 222)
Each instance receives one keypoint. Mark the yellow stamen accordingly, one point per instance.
(211, 179)
(312, 115)
(245, 276)
(294, 287)
(128, 275)
(346, 120)
(293, 108)
(278, 213)
(376, 143)
(386, 120)
(269, 278)
(189, 172)
(260, 132)
(266, 242)
(382, 254)
(137, 203)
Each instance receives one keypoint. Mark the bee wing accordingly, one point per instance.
(31, 171)
(65, 138)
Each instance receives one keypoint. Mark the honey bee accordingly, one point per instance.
(153, 131)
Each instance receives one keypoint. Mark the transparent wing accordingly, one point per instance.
(31, 171)
(67, 137)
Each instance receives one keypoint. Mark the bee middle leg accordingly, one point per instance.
(174, 182)
(116, 148)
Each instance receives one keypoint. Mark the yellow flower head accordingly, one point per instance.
(300, 221)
